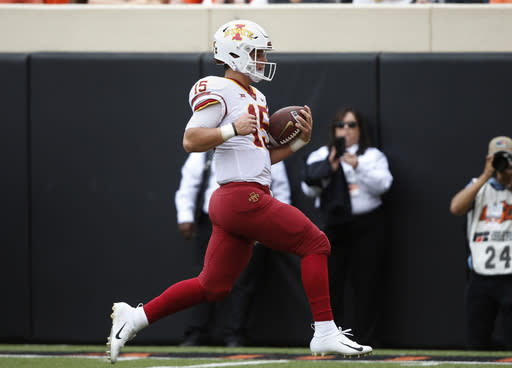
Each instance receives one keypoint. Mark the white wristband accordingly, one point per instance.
(297, 144)
(227, 131)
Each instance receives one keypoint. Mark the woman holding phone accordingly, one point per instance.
(347, 178)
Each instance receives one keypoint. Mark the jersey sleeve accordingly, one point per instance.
(206, 92)
(210, 117)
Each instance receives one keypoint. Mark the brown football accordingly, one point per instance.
(282, 127)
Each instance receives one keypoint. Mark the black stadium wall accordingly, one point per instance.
(91, 157)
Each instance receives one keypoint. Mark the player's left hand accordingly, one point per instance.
(306, 124)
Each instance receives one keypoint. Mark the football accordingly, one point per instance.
(282, 127)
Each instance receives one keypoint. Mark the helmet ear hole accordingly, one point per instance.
(233, 55)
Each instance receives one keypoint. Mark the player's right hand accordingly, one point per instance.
(246, 124)
(187, 230)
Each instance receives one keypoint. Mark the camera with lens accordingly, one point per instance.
(501, 161)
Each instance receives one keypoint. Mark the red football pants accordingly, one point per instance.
(242, 213)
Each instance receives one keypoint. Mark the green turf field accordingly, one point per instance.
(75, 356)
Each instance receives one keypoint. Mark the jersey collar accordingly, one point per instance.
(249, 91)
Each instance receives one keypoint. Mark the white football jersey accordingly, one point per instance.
(241, 158)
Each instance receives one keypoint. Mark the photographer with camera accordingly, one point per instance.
(347, 178)
(487, 201)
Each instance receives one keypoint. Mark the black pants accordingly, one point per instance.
(356, 260)
(488, 303)
(203, 315)
(243, 294)
(234, 311)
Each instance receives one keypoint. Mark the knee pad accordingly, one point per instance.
(215, 286)
(315, 242)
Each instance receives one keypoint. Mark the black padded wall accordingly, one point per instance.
(438, 113)
(106, 153)
(14, 208)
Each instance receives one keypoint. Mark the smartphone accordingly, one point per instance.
(339, 144)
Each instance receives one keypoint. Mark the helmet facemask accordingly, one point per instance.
(259, 70)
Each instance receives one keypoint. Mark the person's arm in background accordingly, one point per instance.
(317, 171)
(186, 196)
(280, 185)
(463, 200)
(373, 171)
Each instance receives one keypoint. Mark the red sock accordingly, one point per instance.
(316, 284)
(179, 296)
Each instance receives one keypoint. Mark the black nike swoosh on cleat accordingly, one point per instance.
(350, 346)
(121, 329)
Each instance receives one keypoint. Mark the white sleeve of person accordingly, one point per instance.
(209, 117)
(373, 171)
(209, 106)
(186, 195)
(207, 103)
(280, 186)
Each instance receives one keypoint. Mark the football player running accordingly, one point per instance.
(230, 115)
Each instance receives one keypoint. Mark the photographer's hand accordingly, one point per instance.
(488, 169)
(335, 162)
(350, 159)
(463, 200)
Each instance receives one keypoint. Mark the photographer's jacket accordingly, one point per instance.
(490, 230)
(364, 185)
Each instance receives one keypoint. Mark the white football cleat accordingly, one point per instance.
(338, 343)
(123, 329)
